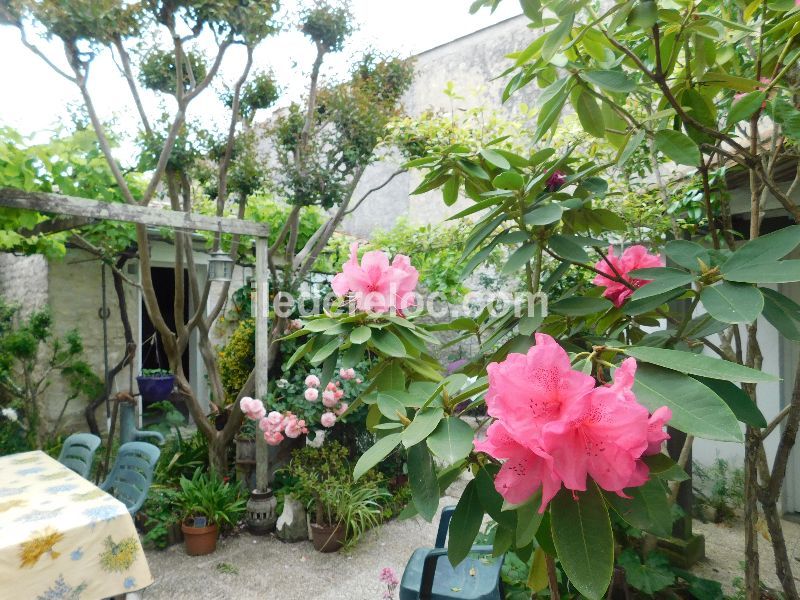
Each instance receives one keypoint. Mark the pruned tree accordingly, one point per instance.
(322, 146)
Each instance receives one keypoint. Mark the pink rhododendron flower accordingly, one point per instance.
(311, 394)
(377, 285)
(554, 427)
(252, 408)
(556, 180)
(634, 257)
(347, 374)
(327, 419)
(329, 399)
(312, 381)
(342, 409)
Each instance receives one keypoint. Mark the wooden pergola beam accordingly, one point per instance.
(115, 211)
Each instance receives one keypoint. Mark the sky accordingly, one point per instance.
(36, 99)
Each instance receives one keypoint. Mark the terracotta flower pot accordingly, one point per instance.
(327, 538)
(199, 540)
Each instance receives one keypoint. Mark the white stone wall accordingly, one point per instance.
(23, 281)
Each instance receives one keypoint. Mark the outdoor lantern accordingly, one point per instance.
(220, 266)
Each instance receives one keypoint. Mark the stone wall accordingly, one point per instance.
(23, 281)
(471, 63)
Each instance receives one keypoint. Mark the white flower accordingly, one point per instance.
(10, 414)
(282, 383)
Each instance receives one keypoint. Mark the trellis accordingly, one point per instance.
(83, 211)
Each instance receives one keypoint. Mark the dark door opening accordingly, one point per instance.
(152, 350)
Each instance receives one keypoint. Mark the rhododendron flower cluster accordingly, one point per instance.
(615, 267)
(375, 284)
(274, 425)
(554, 427)
(331, 396)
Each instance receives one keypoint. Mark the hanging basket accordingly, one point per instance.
(155, 388)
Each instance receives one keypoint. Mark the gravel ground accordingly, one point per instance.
(267, 568)
(270, 569)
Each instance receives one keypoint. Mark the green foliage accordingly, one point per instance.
(260, 92)
(718, 490)
(327, 25)
(32, 357)
(237, 358)
(209, 496)
(157, 70)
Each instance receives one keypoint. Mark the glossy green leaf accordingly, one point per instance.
(687, 254)
(580, 306)
(643, 15)
(544, 214)
(491, 500)
(664, 279)
(764, 249)
(696, 409)
(390, 406)
(465, 525)
(508, 180)
(382, 448)
(528, 520)
(422, 426)
(647, 508)
(450, 189)
(324, 352)
(744, 107)
(556, 37)
(698, 364)
(388, 343)
(422, 481)
(663, 467)
(784, 271)
(732, 302)
(737, 400)
(782, 313)
(589, 114)
(583, 539)
(496, 159)
(613, 81)
(678, 147)
(451, 441)
(361, 334)
(519, 258)
(567, 247)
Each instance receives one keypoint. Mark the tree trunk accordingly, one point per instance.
(783, 565)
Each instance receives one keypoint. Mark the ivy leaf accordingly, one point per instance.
(652, 576)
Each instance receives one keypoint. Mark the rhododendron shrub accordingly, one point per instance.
(578, 396)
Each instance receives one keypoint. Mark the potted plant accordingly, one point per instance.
(342, 508)
(160, 518)
(207, 503)
(155, 385)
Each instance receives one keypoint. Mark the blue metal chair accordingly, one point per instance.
(77, 453)
(132, 474)
(428, 578)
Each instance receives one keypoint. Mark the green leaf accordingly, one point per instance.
(556, 37)
(508, 180)
(589, 114)
(325, 351)
(317, 325)
(450, 189)
(465, 525)
(583, 539)
(630, 147)
(422, 426)
(732, 302)
(686, 254)
(382, 448)
(663, 279)
(496, 159)
(737, 400)
(544, 214)
(613, 81)
(390, 406)
(696, 409)
(698, 364)
(653, 576)
(580, 306)
(451, 440)
(744, 107)
(764, 249)
(647, 508)
(361, 334)
(519, 258)
(782, 313)
(567, 247)
(643, 15)
(663, 467)
(677, 147)
(388, 343)
(785, 271)
(422, 481)
(491, 500)
(528, 520)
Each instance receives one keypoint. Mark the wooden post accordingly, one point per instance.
(262, 356)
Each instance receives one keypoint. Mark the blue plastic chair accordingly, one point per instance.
(428, 578)
(77, 453)
(132, 474)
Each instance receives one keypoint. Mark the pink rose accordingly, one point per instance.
(347, 374)
(635, 257)
(338, 394)
(252, 408)
(342, 409)
(273, 438)
(275, 419)
(312, 381)
(311, 394)
(358, 380)
(329, 398)
(327, 419)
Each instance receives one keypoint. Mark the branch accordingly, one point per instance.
(42, 55)
(375, 189)
(128, 73)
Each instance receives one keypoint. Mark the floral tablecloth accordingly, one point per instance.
(61, 537)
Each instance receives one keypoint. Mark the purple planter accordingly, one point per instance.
(155, 389)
